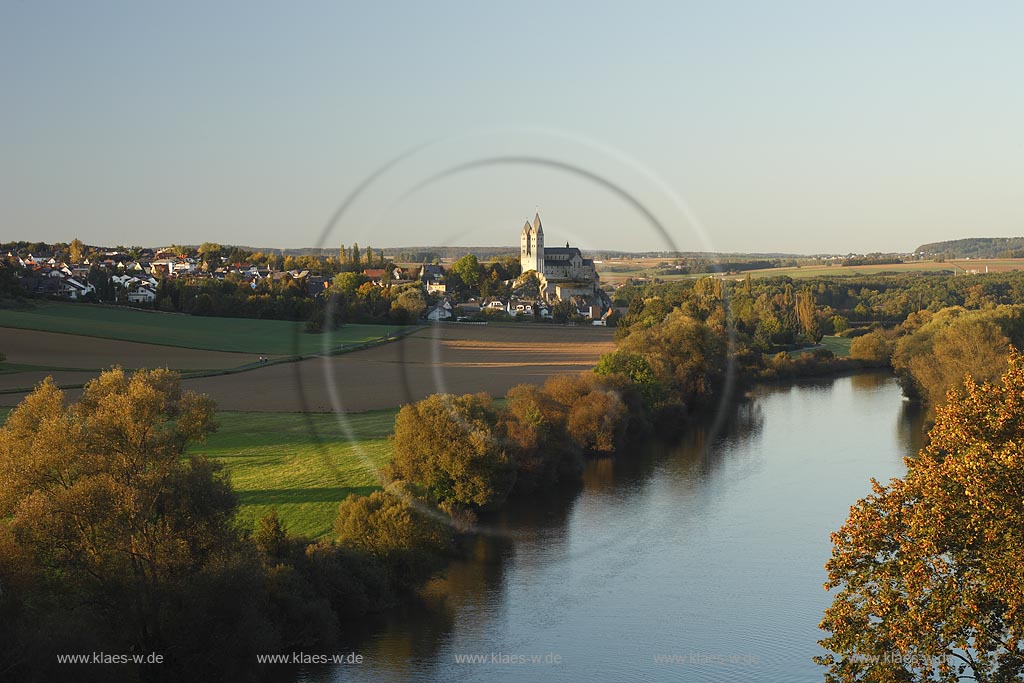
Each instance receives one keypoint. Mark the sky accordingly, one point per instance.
(802, 127)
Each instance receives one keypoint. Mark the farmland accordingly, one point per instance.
(238, 335)
(620, 270)
(447, 358)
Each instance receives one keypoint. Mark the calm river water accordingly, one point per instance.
(701, 562)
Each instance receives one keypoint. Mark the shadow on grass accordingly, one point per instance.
(284, 496)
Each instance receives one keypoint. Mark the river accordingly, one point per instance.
(699, 562)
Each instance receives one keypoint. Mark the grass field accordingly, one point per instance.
(244, 335)
(840, 346)
(301, 464)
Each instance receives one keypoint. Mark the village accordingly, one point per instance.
(544, 284)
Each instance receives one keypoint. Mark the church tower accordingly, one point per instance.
(531, 246)
(526, 252)
(538, 244)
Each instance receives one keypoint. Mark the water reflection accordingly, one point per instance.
(713, 546)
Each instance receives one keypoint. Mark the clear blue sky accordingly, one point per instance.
(783, 126)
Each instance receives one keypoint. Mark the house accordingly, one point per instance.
(442, 311)
(142, 295)
(431, 273)
(495, 304)
(471, 307)
(316, 285)
(519, 307)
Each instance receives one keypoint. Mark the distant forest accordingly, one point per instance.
(977, 247)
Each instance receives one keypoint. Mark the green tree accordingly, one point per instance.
(408, 306)
(929, 567)
(469, 271)
(450, 446)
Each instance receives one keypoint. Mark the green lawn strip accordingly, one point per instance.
(241, 335)
(840, 346)
(302, 464)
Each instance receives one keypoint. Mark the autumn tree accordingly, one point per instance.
(874, 348)
(404, 532)
(450, 446)
(927, 571)
(76, 250)
(535, 427)
(951, 344)
(106, 526)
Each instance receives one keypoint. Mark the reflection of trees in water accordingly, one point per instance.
(865, 381)
(910, 427)
(705, 443)
(706, 447)
(471, 588)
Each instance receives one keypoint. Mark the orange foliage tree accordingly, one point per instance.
(929, 571)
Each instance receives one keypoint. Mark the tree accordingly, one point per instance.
(407, 534)
(408, 306)
(597, 422)
(872, 347)
(929, 567)
(469, 271)
(536, 427)
(952, 344)
(449, 445)
(355, 254)
(101, 514)
(76, 251)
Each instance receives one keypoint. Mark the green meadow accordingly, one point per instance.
(840, 346)
(302, 464)
(244, 335)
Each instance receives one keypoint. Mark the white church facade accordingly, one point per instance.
(563, 272)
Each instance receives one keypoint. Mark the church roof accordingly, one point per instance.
(526, 228)
(562, 250)
(536, 224)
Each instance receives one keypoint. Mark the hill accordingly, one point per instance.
(976, 247)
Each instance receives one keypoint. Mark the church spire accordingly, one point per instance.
(536, 224)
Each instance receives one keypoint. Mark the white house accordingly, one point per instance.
(142, 295)
(440, 312)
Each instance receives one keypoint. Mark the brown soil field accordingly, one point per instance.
(20, 380)
(449, 358)
(33, 347)
(444, 358)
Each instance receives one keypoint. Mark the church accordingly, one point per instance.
(563, 272)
